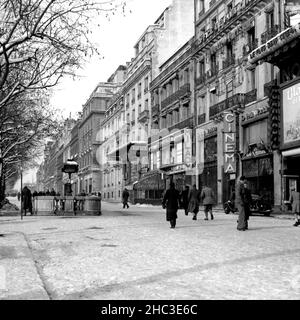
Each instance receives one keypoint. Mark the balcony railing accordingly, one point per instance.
(144, 116)
(227, 23)
(184, 90)
(187, 123)
(269, 34)
(212, 2)
(247, 48)
(237, 99)
(251, 96)
(229, 62)
(202, 118)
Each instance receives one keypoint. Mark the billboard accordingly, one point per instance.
(290, 115)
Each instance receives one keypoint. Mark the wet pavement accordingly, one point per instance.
(133, 254)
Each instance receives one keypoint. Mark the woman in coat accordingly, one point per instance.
(295, 201)
(171, 203)
(27, 201)
(194, 202)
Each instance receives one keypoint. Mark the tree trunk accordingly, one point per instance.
(2, 184)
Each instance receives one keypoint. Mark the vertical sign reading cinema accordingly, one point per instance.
(229, 143)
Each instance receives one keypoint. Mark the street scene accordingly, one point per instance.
(133, 254)
(149, 149)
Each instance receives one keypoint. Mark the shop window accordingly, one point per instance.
(255, 133)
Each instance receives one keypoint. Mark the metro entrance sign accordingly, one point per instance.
(229, 143)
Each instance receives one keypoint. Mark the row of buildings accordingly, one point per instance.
(212, 93)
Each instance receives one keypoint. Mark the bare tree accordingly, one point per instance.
(40, 42)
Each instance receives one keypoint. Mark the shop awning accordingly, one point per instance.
(290, 153)
(151, 181)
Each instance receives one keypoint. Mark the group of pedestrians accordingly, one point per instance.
(189, 201)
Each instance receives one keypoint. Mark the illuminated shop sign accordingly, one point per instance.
(274, 43)
(229, 143)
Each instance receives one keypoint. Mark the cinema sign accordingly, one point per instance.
(229, 143)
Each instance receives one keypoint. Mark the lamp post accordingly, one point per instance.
(21, 174)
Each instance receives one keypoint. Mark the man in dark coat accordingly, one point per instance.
(26, 199)
(171, 203)
(194, 201)
(185, 199)
(240, 204)
(125, 196)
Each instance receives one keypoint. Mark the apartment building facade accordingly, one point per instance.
(128, 127)
(232, 96)
(89, 138)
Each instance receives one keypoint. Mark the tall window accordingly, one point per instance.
(270, 20)
(146, 83)
(229, 50)
(213, 62)
(201, 68)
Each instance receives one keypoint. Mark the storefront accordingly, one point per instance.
(257, 156)
(150, 188)
(290, 133)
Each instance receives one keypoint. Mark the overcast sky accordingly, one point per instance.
(116, 38)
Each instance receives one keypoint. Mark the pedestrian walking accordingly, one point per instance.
(247, 201)
(207, 196)
(171, 203)
(27, 200)
(240, 204)
(125, 197)
(185, 199)
(295, 202)
(194, 202)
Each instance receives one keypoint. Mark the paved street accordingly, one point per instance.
(133, 254)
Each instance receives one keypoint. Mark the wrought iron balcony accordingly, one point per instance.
(237, 99)
(229, 62)
(202, 118)
(228, 22)
(251, 96)
(269, 34)
(144, 116)
(187, 123)
(182, 92)
(247, 48)
(212, 2)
